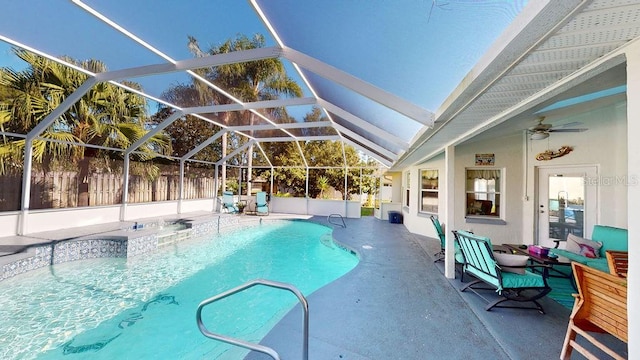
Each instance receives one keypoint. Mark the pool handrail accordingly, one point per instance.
(344, 225)
(251, 346)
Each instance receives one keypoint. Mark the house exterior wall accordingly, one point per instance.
(395, 197)
(508, 158)
(603, 145)
(418, 222)
(396, 186)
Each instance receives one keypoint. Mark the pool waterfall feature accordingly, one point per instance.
(135, 240)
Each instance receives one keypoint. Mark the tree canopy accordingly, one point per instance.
(107, 115)
(110, 117)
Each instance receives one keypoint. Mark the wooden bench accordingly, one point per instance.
(600, 306)
(618, 262)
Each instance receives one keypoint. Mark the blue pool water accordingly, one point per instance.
(144, 308)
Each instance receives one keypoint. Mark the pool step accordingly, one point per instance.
(327, 240)
(173, 237)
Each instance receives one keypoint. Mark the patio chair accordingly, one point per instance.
(262, 208)
(436, 224)
(228, 204)
(440, 255)
(600, 306)
(479, 261)
(618, 262)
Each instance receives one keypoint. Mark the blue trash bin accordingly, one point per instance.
(395, 217)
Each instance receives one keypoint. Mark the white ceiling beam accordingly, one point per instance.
(296, 125)
(190, 64)
(264, 154)
(236, 151)
(60, 110)
(368, 152)
(300, 138)
(363, 88)
(48, 56)
(267, 104)
(156, 51)
(363, 124)
(203, 144)
(344, 155)
(166, 122)
(304, 158)
(366, 142)
(306, 125)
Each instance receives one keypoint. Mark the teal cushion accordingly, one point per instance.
(485, 277)
(459, 257)
(612, 238)
(599, 263)
(569, 255)
(529, 279)
(481, 257)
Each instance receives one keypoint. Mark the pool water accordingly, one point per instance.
(144, 308)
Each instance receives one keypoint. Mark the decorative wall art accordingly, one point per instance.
(550, 154)
(485, 159)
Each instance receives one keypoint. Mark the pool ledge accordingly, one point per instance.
(40, 250)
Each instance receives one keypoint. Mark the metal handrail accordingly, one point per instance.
(251, 346)
(338, 216)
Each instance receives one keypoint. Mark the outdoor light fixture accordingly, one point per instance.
(539, 135)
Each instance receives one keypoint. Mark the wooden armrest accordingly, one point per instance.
(618, 262)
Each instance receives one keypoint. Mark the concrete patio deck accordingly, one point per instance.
(397, 304)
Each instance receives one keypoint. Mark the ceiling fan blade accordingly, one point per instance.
(567, 130)
(571, 124)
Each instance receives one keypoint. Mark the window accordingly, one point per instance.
(407, 187)
(429, 191)
(483, 192)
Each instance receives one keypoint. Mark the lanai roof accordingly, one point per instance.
(399, 80)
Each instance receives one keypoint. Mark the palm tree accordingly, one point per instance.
(323, 185)
(107, 115)
(250, 81)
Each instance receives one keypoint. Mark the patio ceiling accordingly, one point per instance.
(374, 71)
(556, 51)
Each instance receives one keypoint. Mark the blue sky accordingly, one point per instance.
(416, 49)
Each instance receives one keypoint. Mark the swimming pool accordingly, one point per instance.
(145, 307)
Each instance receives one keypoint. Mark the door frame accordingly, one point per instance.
(591, 198)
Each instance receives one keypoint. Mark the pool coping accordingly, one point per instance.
(114, 240)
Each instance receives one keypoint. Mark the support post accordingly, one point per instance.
(23, 227)
(633, 193)
(125, 188)
(450, 201)
(181, 188)
(28, 147)
(215, 187)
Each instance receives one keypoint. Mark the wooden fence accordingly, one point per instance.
(60, 189)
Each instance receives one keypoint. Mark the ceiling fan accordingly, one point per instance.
(541, 130)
